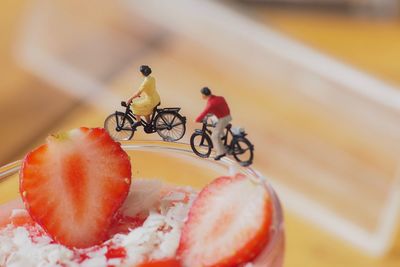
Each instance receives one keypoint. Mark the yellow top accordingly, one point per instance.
(148, 99)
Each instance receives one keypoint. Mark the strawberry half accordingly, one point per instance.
(228, 224)
(74, 184)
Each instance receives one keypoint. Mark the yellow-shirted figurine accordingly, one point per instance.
(146, 98)
(167, 122)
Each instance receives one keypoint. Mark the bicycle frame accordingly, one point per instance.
(128, 113)
(236, 144)
(228, 132)
(225, 137)
(205, 130)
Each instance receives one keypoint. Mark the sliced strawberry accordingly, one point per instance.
(228, 224)
(270, 258)
(161, 263)
(73, 185)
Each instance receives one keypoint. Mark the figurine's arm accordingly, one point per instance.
(204, 113)
(130, 99)
(138, 93)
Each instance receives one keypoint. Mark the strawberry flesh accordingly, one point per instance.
(74, 184)
(228, 224)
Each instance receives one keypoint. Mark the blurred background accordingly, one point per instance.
(315, 83)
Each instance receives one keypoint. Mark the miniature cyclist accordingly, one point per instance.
(217, 106)
(146, 98)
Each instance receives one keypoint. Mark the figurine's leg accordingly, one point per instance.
(148, 119)
(138, 121)
(217, 134)
(216, 138)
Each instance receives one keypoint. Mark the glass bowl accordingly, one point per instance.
(175, 163)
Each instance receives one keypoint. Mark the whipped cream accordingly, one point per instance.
(166, 209)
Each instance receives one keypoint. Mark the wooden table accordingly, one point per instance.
(28, 115)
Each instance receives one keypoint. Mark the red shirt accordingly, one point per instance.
(217, 106)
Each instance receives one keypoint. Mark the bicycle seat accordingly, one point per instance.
(238, 131)
(229, 126)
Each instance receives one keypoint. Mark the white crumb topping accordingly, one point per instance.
(19, 248)
(18, 212)
(157, 238)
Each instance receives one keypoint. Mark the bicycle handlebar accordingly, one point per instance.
(205, 122)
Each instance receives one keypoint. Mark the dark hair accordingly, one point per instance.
(205, 91)
(145, 70)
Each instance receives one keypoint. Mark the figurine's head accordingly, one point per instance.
(145, 70)
(205, 92)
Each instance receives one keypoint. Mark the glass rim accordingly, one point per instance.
(155, 146)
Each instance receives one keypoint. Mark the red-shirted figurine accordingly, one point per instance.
(217, 106)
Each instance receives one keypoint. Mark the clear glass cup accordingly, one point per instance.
(175, 163)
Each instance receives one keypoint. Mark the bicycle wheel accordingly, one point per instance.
(171, 126)
(201, 144)
(114, 127)
(243, 151)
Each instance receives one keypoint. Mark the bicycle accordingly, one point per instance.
(167, 122)
(234, 140)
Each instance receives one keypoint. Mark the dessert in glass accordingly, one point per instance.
(173, 199)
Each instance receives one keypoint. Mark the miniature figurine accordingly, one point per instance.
(167, 122)
(233, 141)
(146, 98)
(217, 106)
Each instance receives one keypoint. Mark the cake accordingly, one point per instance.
(126, 221)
